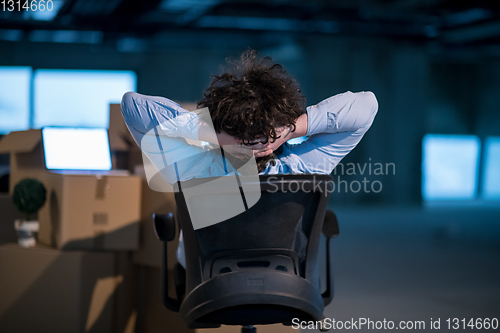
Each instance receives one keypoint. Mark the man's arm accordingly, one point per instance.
(160, 128)
(334, 126)
(284, 134)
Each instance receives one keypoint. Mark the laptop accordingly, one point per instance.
(78, 150)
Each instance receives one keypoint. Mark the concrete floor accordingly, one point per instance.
(413, 263)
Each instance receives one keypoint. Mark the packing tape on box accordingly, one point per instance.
(102, 187)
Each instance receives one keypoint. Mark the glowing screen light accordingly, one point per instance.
(491, 169)
(78, 98)
(76, 148)
(14, 98)
(450, 166)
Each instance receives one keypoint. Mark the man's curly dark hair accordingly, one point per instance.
(252, 98)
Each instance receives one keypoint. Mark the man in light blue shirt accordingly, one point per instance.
(250, 111)
(333, 128)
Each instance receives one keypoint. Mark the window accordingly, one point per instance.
(78, 98)
(450, 166)
(491, 169)
(14, 98)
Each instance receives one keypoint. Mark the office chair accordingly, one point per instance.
(259, 267)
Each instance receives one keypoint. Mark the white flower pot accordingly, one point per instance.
(26, 232)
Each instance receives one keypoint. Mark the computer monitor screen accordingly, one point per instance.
(69, 148)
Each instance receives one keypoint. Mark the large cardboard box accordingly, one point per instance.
(87, 211)
(153, 316)
(151, 248)
(8, 214)
(127, 294)
(123, 147)
(46, 290)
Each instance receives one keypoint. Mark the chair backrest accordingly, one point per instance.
(278, 237)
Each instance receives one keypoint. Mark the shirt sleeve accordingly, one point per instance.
(160, 128)
(142, 113)
(334, 126)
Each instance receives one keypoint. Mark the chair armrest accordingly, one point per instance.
(164, 226)
(330, 225)
(330, 230)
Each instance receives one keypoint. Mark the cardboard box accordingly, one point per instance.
(120, 138)
(67, 291)
(8, 214)
(151, 248)
(81, 211)
(127, 293)
(45, 290)
(153, 317)
(26, 155)
(125, 153)
(86, 211)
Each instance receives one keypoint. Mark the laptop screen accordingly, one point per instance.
(72, 148)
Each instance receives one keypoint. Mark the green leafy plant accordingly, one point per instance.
(29, 196)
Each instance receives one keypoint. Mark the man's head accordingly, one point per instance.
(252, 99)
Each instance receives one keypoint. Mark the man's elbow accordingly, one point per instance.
(369, 105)
(131, 110)
(369, 102)
(128, 99)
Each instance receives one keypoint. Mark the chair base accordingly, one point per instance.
(248, 329)
(238, 296)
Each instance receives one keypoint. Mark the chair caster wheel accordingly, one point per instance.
(248, 329)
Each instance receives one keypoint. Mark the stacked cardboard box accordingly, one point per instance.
(47, 290)
(8, 215)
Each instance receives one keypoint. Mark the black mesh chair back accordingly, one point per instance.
(261, 266)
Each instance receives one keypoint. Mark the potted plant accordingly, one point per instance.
(29, 196)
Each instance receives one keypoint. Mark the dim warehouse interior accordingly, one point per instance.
(417, 200)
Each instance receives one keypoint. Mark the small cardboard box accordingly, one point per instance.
(125, 153)
(26, 155)
(120, 138)
(86, 211)
(46, 290)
